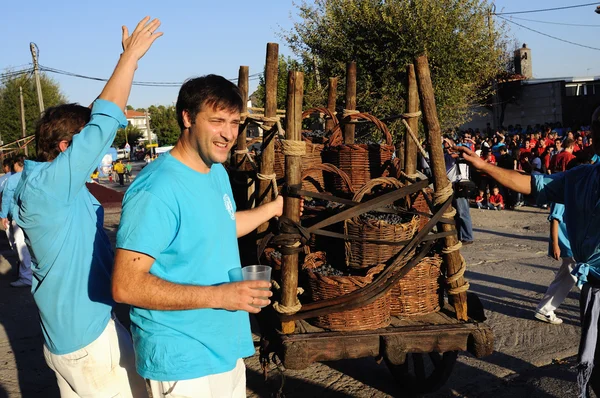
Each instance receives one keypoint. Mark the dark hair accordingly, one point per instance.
(568, 142)
(209, 90)
(7, 162)
(18, 159)
(59, 123)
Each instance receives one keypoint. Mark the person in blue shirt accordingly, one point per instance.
(90, 352)
(7, 168)
(15, 232)
(579, 190)
(177, 242)
(559, 248)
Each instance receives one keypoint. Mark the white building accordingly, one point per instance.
(139, 120)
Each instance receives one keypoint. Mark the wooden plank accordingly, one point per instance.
(350, 100)
(434, 135)
(268, 150)
(293, 176)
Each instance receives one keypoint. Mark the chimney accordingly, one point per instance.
(523, 62)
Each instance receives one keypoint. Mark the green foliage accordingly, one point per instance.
(10, 107)
(133, 135)
(163, 123)
(463, 47)
(313, 95)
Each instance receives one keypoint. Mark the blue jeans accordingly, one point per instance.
(464, 226)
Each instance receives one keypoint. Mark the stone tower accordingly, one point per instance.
(523, 62)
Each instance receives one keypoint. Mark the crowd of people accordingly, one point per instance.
(537, 150)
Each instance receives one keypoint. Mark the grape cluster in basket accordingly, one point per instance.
(390, 218)
(314, 134)
(328, 270)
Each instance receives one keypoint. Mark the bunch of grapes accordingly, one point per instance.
(390, 218)
(314, 134)
(328, 270)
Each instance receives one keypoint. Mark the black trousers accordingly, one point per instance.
(121, 178)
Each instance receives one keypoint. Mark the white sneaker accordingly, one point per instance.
(549, 318)
(20, 283)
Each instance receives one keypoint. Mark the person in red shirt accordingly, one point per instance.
(525, 155)
(560, 161)
(578, 146)
(496, 201)
(480, 200)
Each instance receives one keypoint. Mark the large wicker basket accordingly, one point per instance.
(418, 292)
(361, 254)
(369, 317)
(362, 162)
(314, 150)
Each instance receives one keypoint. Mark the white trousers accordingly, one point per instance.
(230, 384)
(104, 368)
(559, 288)
(17, 237)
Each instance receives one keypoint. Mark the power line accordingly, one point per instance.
(252, 77)
(547, 9)
(12, 74)
(556, 23)
(550, 36)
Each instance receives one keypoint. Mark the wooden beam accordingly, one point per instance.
(412, 105)
(331, 99)
(350, 100)
(265, 191)
(438, 167)
(293, 176)
(241, 140)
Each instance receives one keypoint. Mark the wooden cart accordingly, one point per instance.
(421, 350)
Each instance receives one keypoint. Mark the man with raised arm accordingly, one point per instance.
(86, 346)
(177, 243)
(579, 190)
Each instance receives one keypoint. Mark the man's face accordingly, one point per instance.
(213, 133)
(527, 144)
(6, 168)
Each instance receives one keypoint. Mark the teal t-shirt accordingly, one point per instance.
(185, 220)
(71, 256)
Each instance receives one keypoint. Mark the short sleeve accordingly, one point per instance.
(147, 224)
(556, 212)
(548, 188)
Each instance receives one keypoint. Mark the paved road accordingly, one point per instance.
(508, 269)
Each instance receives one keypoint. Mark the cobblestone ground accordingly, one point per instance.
(507, 267)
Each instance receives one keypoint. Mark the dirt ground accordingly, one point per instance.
(507, 268)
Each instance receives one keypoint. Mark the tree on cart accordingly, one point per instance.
(464, 46)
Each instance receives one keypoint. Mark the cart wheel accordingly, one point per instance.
(423, 373)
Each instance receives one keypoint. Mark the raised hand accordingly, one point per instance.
(141, 38)
(471, 157)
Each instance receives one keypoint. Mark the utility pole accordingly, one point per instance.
(23, 130)
(149, 132)
(36, 73)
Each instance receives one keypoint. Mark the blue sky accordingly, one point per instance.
(217, 37)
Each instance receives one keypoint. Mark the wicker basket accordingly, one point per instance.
(418, 292)
(369, 317)
(314, 150)
(361, 162)
(313, 179)
(419, 203)
(360, 254)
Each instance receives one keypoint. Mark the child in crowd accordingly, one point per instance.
(479, 200)
(496, 202)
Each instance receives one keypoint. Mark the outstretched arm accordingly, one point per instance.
(511, 179)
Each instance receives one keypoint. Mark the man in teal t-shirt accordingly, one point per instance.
(90, 352)
(176, 243)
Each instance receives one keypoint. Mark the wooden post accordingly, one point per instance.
(350, 100)
(331, 99)
(23, 128)
(241, 140)
(436, 156)
(293, 176)
(412, 105)
(268, 150)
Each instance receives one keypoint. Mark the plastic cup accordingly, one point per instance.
(257, 273)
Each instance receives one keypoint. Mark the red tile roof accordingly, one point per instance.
(132, 113)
